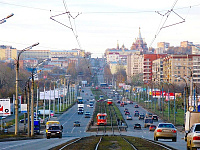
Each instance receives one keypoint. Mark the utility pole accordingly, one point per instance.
(44, 105)
(50, 102)
(32, 105)
(28, 109)
(64, 93)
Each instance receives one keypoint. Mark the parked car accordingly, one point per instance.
(118, 101)
(77, 124)
(155, 118)
(193, 137)
(22, 120)
(127, 113)
(122, 104)
(128, 117)
(141, 116)
(131, 102)
(136, 106)
(137, 126)
(165, 131)
(148, 114)
(152, 127)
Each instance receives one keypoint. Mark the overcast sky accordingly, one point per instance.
(100, 25)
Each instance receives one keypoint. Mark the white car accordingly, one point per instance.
(193, 137)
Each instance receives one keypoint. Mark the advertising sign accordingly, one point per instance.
(5, 107)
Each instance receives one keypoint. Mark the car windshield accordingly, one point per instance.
(197, 128)
(166, 126)
(148, 121)
(54, 128)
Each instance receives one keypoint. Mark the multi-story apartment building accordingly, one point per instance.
(186, 43)
(157, 70)
(7, 52)
(38, 54)
(161, 47)
(147, 70)
(177, 67)
(67, 53)
(134, 65)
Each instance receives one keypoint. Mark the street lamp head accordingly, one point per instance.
(2, 21)
(35, 44)
(9, 16)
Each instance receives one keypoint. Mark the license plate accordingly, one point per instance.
(166, 130)
(53, 133)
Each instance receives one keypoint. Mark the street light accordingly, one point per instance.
(32, 97)
(4, 19)
(17, 79)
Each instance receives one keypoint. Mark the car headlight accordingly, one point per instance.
(48, 132)
(57, 132)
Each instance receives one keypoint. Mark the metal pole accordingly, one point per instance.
(168, 104)
(37, 101)
(32, 106)
(28, 109)
(54, 102)
(50, 103)
(64, 93)
(25, 113)
(162, 102)
(16, 99)
(174, 108)
(44, 105)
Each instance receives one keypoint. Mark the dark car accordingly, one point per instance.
(148, 114)
(77, 124)
(118, 101)
(136, 106)
(125, 109)
(137, 126)
(136, 114)
(155, 118)
(136, 111)
(22, 120)
(54, 131)
(127, 113)
(141, 116)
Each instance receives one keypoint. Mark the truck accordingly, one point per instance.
(46, 112)
(190, 119)
(80, 108)
(79, 100)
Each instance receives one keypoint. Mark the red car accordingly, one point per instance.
(127, 113)
(152, 127)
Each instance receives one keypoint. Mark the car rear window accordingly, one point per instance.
(166, 126)
(197, 128)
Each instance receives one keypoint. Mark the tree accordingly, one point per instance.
(107, 74)
(71, 70)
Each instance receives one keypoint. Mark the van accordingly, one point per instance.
(148, 122)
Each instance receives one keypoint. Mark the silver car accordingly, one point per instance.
(165, 131)
(193, 137)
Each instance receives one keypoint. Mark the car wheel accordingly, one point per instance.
(48, 137)
(79, 125)
(60, 137)
(155, 138)
(174, 140)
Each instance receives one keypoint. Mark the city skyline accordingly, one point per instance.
(99, 25)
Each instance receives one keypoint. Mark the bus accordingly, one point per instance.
(109, 101)
(101, 119)
(103, 85)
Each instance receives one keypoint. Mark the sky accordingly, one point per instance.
(99, 24)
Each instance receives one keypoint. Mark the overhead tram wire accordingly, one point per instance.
(167, 14)
(142, 11)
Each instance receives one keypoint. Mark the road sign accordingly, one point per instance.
(23, 108)
(5, 107)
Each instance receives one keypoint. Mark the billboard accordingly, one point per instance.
(5, 107)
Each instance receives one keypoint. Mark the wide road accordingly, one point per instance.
(144, 132)
(69, 131)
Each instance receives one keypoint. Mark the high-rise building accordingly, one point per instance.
(134, 65)
(7, 52)
(178, 68)
(147, 70)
